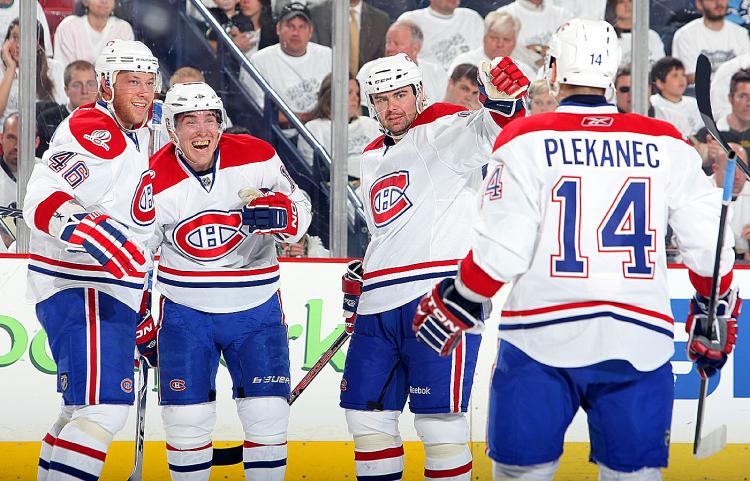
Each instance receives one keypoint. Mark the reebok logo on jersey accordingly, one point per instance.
(419, 390)
(388, 198)
(209, 235)
(100, 138)
(597, 121)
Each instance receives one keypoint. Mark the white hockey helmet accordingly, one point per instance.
(126, 55)
(191, 97)
(586, 53)
(390, 73)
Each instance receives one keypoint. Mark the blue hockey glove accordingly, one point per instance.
(709, 354)
(271, 213)
(444, 315)
(351, 285)
(502, 86)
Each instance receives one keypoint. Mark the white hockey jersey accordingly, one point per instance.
(419, 197)
(209, 260)
(93, 162)
(574, 212)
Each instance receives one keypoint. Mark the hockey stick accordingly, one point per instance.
(11, 212)
(233, 455)
(715, 441)
(140, 421)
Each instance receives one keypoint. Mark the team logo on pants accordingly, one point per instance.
(388, 197)
(177, 385)
(126, 385)
(209, 235)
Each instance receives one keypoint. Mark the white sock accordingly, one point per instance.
(76, 455)
(384, 465)
(454, 468)
(264, 462)
(190, 464)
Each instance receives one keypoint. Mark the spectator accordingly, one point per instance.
(406, 37)
(227, 13)
(668, 77)
(720, 83)
(462, 87)
(590, 9)
(738, 11)
(620, 14)
(263, 33)
(448, 30)
(622, 90)
(367, 28)
(186, 74)
(9, 161)
(10, 9)
(82, 38)
(361, 130)
(710, 34)
(309, 246)
(47, 90)
(737, 122)
(540, 99)
(539, 20)
(80, 88)
(500, 33)
(295, 66)
(740, 221)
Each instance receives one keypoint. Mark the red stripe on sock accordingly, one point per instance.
(250, 444)
(172, 448)
(86, 451)
(378, 455)
(49, 439)
(447, 473)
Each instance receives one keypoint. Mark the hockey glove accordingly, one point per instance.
(105, 240)
(271, 213)
(145, 338)
(443, 315)
(502, 86)
(351, 285)
(710, 354)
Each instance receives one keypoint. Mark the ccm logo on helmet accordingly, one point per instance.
(142, 207)
(209, 235)
(388, 197)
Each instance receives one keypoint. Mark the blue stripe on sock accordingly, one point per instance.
(382, 477)
(190, 467)
(265, 464)
(43, 464)
(71, 471)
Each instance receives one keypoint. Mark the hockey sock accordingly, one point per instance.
(78, 452)
(190, 464)
(264, 462)
(447, 462)
(386, 464)
(49, 441)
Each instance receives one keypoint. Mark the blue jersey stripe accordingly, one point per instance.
(403, 280)
(73, 277)
(265, 464)
(583, 317)
(260, 282)
(190, 468)
(71, 471)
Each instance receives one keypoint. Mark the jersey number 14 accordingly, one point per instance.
(625, 228)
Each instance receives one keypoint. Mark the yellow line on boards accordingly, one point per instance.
(323, 461)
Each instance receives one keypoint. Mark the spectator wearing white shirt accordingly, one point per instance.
(540, 99)
(711, 35)
(539, 20)
(361, 130)
(500, 34)
(462, 87)
(404, 36)
(294, 67)
(620, 14)
(670, 105)
(84, 37)
(588, 9)
(720, 83)
(11, 9)
(449, 30)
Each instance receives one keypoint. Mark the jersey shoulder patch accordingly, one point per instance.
(241, 149)
(167, 170)
(96, 132)
(593, 122)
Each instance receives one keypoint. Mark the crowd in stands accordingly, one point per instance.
(289, 43)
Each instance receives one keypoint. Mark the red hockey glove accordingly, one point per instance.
(271, 213)
(351, 285)
(502, 86)
(443, 315)
(105, 240)
(710, 354)
(146, 339)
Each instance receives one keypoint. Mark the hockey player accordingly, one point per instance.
(222, 202)
(90, 209)
(419, 181)
(574, 213)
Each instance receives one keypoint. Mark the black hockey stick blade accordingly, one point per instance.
(140, 421)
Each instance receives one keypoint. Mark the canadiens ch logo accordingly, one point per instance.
(597, 121)
(142, 206)
(100, 138)
(177, 385)
(209, 235)
(388, 197)
(126, 385)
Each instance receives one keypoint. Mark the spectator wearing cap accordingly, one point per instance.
(462, 87)
(620, 14)
(711, 35)
(367, 28)
(295, 66)
(449, 30)
(500, 33)
(670, 105)
(406, 37)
